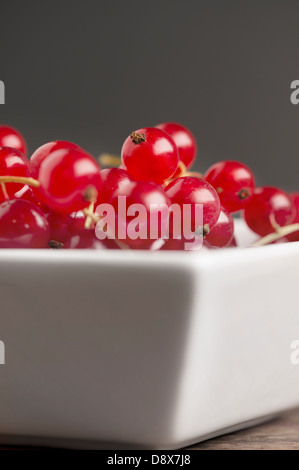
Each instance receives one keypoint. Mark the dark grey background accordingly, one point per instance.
(92, 71)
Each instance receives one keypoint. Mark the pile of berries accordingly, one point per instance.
(52, 199)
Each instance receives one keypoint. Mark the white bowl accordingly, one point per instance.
(146, 349)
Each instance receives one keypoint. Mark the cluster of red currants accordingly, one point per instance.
(50, 199)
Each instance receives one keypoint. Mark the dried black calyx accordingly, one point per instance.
(55, 245)
(205, 230)
(243, 194)
(137, 138)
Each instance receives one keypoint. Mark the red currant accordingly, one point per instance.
(181, 244)
(149, 154)
(10, 137)
(267, 208)
(222, 233)
(114, 181)
(294, 237)
(234, 183)
(69, 180)
(79, 219)
(190, 191)
(82, 239)
(42, 152)
(22, 225)
(63, 225)
(12, 163)
(184, 140)
(152, 213)
(233, 243)
(27, 194)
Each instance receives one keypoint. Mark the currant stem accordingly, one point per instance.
(95, 218)
(182, 168)
(89, 220)
(3, 187)
(194, 173)
(279, 233)
(184, 172)
(275, 225)
(20, 179)
(108, 159)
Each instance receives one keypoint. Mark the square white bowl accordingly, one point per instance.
(146, 349)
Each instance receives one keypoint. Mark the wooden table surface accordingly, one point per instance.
(281, 433)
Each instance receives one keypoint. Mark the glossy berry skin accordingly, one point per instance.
(42, 152)
(27, 194)
(222, 233)
(184, 140)
(182, 244)
(12, 163)
(22, 225)
(147, 195)
(232, 244)
(10, 137)
(281, 240)
(69, 179)
(149, 154)
(234, 183)
(114, 182)
(59, 226)
(78, 220)
(294, 237)
(86, 239)
(191, 190)
(63, 225)
(268, 206)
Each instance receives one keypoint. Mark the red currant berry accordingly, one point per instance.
(78, 220)
(114, 181)
(27, 194)
(190, 191)
(294, 237)
(59, 226)
(69, 180)
(268, 208)
(22, 225)
(182, 244)
(149, 154)
(184, 140)
(12, 163)
(147, 202)
(222, 233)
(234, 183)
(10, 137)
(62, 225)
(42, 152)
(232, 244)
(86, 239)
